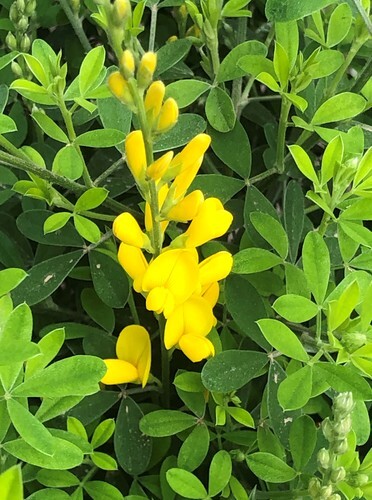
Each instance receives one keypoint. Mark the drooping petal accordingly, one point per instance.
(187, 208)
(211, 292)
(134, 263)
(119, 372)
(215, 268)
(196, 348)
(174, 328)
(127, 230)
(136, 154)
(160, 299)
(134, 346)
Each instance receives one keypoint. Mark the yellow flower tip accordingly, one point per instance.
(127, 230)
(134, 263)
(168, 116)
(215, 268)
(119, 87)
(136, 154)
(157, 169)
(196, 348)
(127, 63)
(119, 372)
(134, 346)
(187, 208)
(154, 99)
(122, 9)
(172, 38)
(146, 69)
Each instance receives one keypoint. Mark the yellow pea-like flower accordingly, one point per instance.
(168, 116)
(134, 263)
(184, 179)
(196, 348)
(154, 100)
(133, 349)
(136, 155)
(157, 169)
(191, 154)
(215, 268)
(211, 222)
(127, 230)
(146, 69)
(119, 87)
(187, 208)
(128, 63)
(211, 293)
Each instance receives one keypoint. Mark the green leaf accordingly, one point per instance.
(229, 68)
(8, 58)
(344, 378)
(49, 127)
(295, 308)
(341, 309)
(100, 490)
(37, 69)
(76, 427)
(92, 198)
(189, 382)
(30, 429)
(219, 472)
(87, 228)
(102, 314)
(304, 163)
(287, 10)
(296, 100)
(316, 264)
(294, 216)
(220, 110)
(185, 484)
(75, 376)
(104, 461)
(339, 24)
(287, 36)
(332, 158)
(57, 478)
(44, 278)
(32, 91)
(327, 62)
(91, 68)
(17, 352)
(272, 231)
(357, 232)
(361, 424)
(234, 149)
(114, 114)
(49, 347)
(51, 494)
(360, 210)
(103, 138)
(268, 80)
(194, 449)
(281, 65)
(295, 391)
(162, 423)
(240, 415)
(216, 185)
(232, 369)
(283, 339)
(255, 65)
(11, 484)
(270, 468)
(254, 260)
(170, 54)
(56, 222)
(364, 167)
(302, 440)
(103, 432)
(68, 163)
(187, 127)
(66, 455)
(10, 279)
(237, 489)
(185, 92)
(132, 447)
(339, 107)
(7, 124)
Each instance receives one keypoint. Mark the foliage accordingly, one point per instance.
(223, 349)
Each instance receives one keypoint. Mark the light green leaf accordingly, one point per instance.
(316, 264)
(57, 478)
(339, 24)
(220, 110)
(339, 107)
(103, 432)
(281, 65)
(269, 81)
(302, 440)
(87, 228)
(287, 36)
(10, 279)
(185, 484)
(229, 68)
(219, 472)
(68, 163)
(185, 92)
(283, 339)
(304, 163)
(194, 449)
(103, 138)
(295, 391)
(11, 484)
(272, 231)
(100, 490)
(344, 378)
(49, 347)
(341, 309)
(270, 468)
(92, 198)
(91, 68)
(295, 308)
(162, 423)
(254, 260)
(49, 127)
(332, 158)
(56, 221)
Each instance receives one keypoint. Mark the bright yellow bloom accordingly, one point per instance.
(187, 208)
(184, 179)
(134, 263)
(127, 230)
(154, 100)
(133, 349)
(119, 87)
(188, 325)
(211, 292)
(171, 279)
(211, 222)
(168, 115)
(162, 194)
(146, 69)
(136, 154)
(128, 64)
(215, 268)
(157, 169)
(192, 153)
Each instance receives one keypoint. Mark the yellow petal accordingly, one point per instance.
(119, 372)
(183, 180)
(127, 63)
(211, 292)
(211, 222)
(134, 262)
(127, 230)
(146, 69)
(187, 208)
(160, 299)
(215, 268)
(134, 346)
(136, 154)
(157, 169)
(168, 115)
(154, 99)
(119, 87)
(162, 194)
(196, 348)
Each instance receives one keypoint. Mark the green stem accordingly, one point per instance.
(117, 164)
(238, 82)
(165, 368)
(154, 16)
(76, 25)
(215, 58)
(324, 224)
(89, 475)
(363, 77)
(244, 97)
(280, 147)
(364, 15)
(94, 215)
(262, 176)
(133, 308)
(318, 334)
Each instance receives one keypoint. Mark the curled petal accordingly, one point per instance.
(119, 372)
(127, 230)
(134, 346)
(215, 268)
(187, 208)
(134, 263)
(196, 348)
(160, 299)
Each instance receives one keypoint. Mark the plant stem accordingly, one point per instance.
(262, 176)
(323, 224)
(165, 375)
(132, 307)
(215, 58)
(76, 25)
(238, 82)
(363, 77)
(117, 164)
(154, 16)
(280, 147)
(363, 13)
(318, 334)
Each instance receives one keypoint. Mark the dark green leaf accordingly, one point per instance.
(166, 423)
(219, 186)
(220, 110)
(302, 440)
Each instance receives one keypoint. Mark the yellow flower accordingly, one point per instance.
(157, 169)
(154, 100)
(136, 154)
(170, 279)
(127, 230)
(211, 222)
(187, 208)
(215, 268)
(184, 179)
(192, 153)
(128, 64)
(188, 325)
(133, 349)
(119, 87)
(134, 263)
(146, 69)
(168, 116)
(211, 292)
(121, 10)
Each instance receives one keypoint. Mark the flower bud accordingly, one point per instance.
(14, 14)
(168, 116)
(25, 43)
(119, 87)
(16, 68)
(314, 487)
(157, 169)
(342, 429)
(327, 429)
(341, 447)
(343, 403)
(146, 69)
(127, 230)
(75, 5)
(335, 496)
(172, 38)
(128, 64)
(121, 10)
(21, 5)
(323, 458)
(361, 479)
(11, 41)
(22, 24)
(136, 155)
(326, 492)
(338, 475)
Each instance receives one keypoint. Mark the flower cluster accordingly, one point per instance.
(175, 283)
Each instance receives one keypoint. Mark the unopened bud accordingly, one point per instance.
(343, 403)
(122, 10)
(21, 5)
(352, 341)
(183, 11)
(154, 100)
(343, 428)
(314, 487)
(326, 492)
(75, 5)
(341, 447)
(16, 68)
(14, 15)
(30, 8)
(128, 64)
(119, 87)
(335, 496)
(22, 24)
(168, 116)
(172, 38)
(158, 168)
(238, 455)
(146, 69)
(323, 458)
(327, 429)
(338, 475)
(11, 41)
(25, 43)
